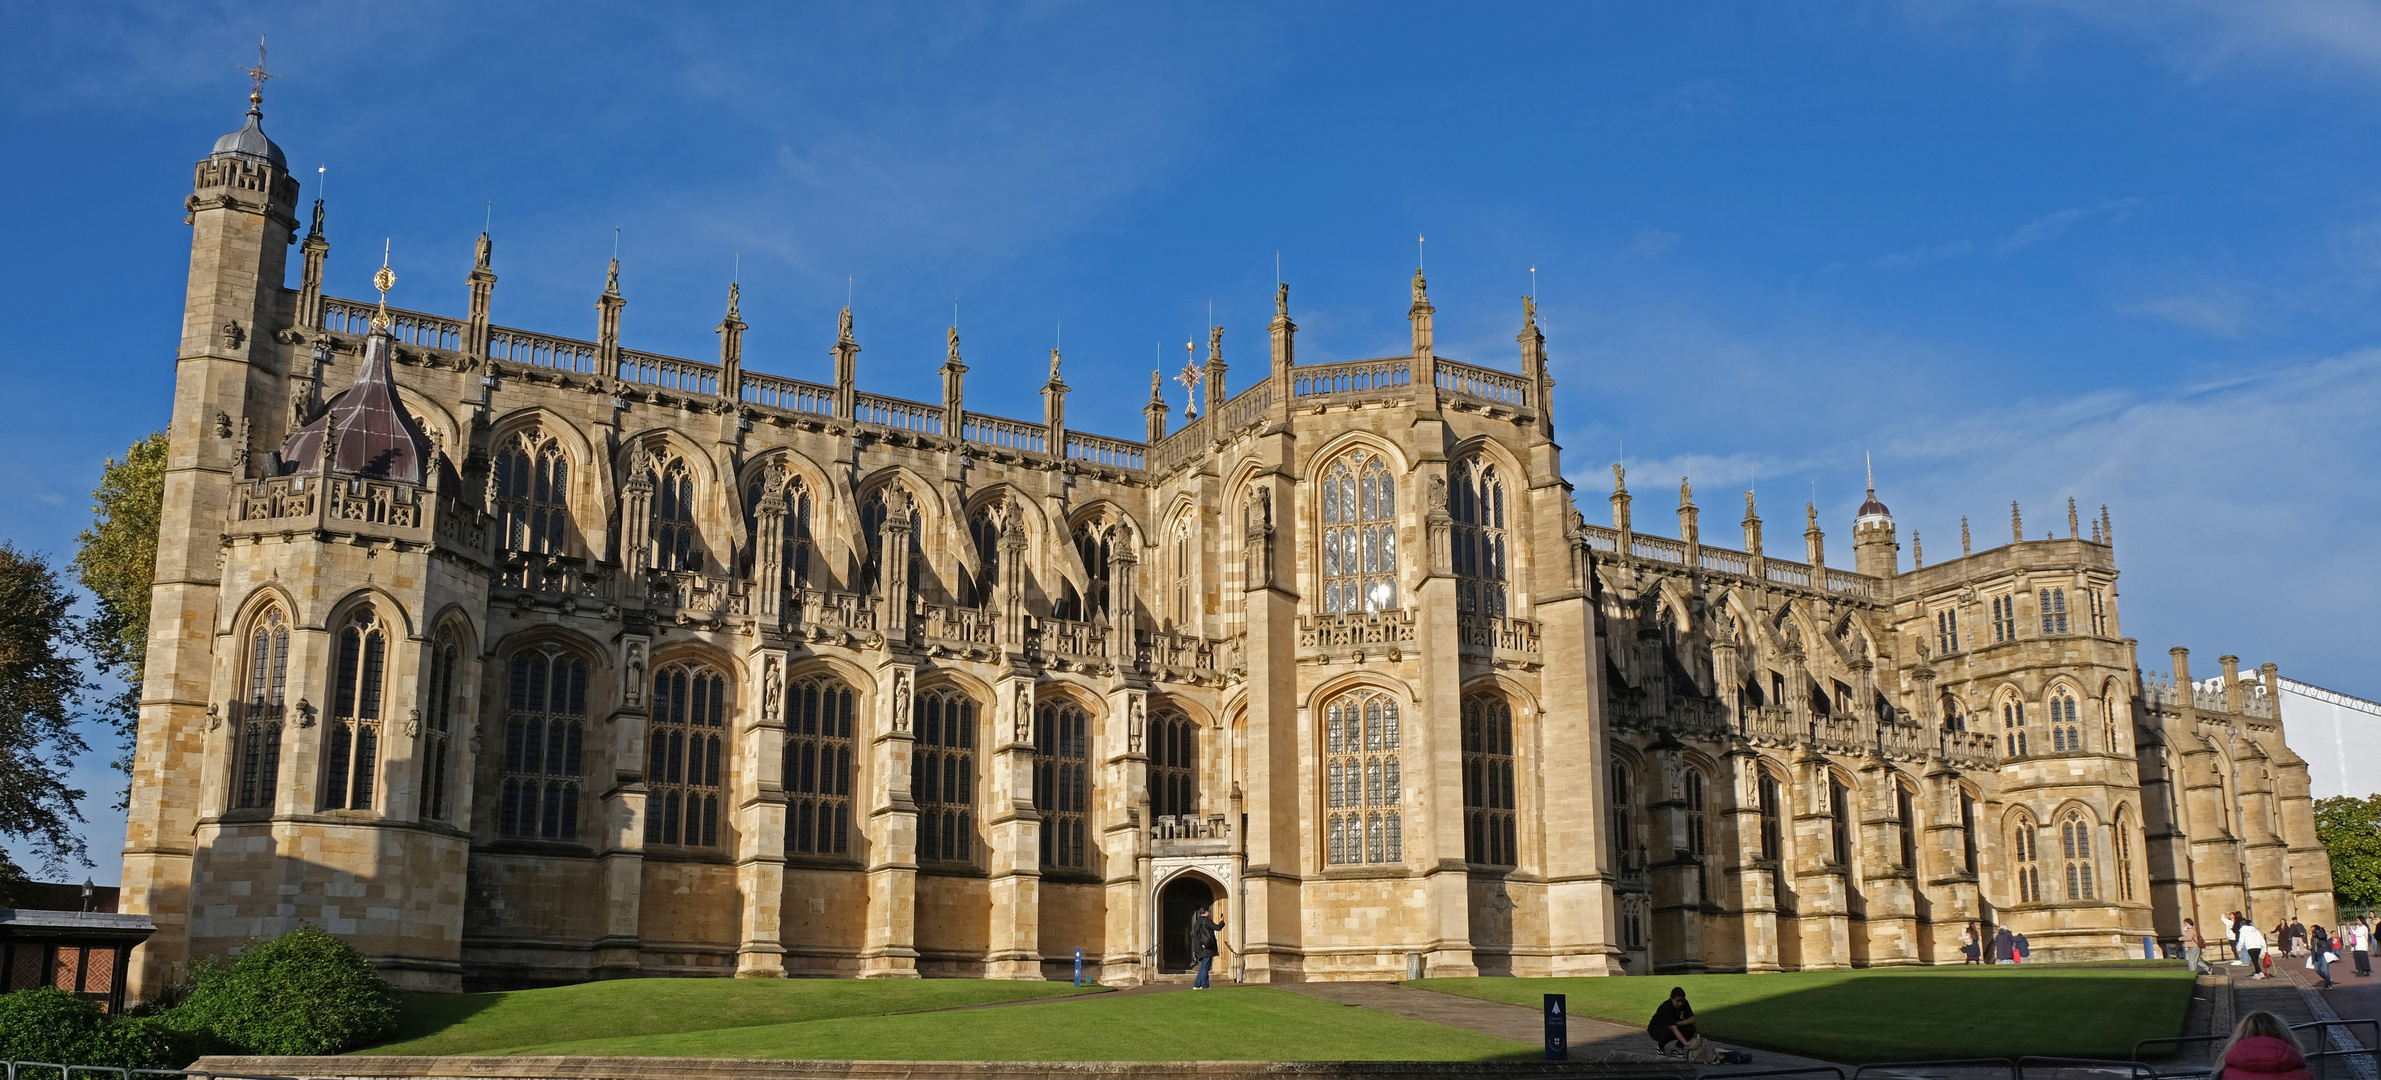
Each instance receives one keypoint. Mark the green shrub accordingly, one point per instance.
(305, 992)
(48, 1024)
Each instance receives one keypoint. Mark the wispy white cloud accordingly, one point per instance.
(2222, 310)
(1917, 257)
(2049, 226)
(1650, 244)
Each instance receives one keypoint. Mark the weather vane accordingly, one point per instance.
(257, 75)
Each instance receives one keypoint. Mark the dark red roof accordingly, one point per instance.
(1872, 506)
(378, 439)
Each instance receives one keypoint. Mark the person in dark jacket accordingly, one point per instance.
(1673, 1023)
(2004, 946)
(1203, 930)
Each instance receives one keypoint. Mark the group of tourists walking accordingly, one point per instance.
(2291, 938)
(2000, 946)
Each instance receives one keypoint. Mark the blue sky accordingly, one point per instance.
(2126, 252)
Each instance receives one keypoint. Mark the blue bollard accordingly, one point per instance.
(1078, 966)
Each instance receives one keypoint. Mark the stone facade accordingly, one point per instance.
(626, 673)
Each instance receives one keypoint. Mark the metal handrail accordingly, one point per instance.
(2007, 1065)
(1807, 1070)
(2139, 1070)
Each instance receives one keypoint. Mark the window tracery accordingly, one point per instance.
(544, 746)
(1182, 559)
(2013, 728)
(2025, 849)
(533, 494)
(438, 724)
(677, 545)
(1478, 506)
(1364, 783)
(2066, 736)
(261, 714)
(685, 744)
(943, 774)
(873, 513)
(1359, 535)
(1773, 832)
(1173, 765)
(794, 546)
(359, 669)
(2054, 611)
(2075, 843)
(818, 766)
(1488, 801)
(2122, 838)
(984, 529)
(1061, 781)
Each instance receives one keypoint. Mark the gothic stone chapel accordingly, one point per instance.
(516, 659)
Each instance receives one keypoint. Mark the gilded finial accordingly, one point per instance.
(384, 280)
(1189, 378)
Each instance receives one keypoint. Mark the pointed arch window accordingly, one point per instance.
(438, 724)
(943, 774)
(2108, 727)
(351, 757)
(2121, 837)
(1095, 543)
(545, 731)
(2026, 850)
(1173, 765)
(1061, 781)
(1623, 822)
(1839, 821)
(1364, 784)
(1181, 559)
(873, 514)
(2013, 728)
(1478, 507)
(1489, 828)
(1906, 815)
(2075, 844)
(685, 750)
(1359, 535)
(793, 553)
(1967, 831)
(2066, 736)
(260, 716)
(676, 543)
(533, 494)
(818, 766)
(984, 529)
(1773, 831)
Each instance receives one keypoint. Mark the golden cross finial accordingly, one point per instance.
(1189, 379)
(257, 75)
(384, 280)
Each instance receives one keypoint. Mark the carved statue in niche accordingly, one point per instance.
(900, 703)
(772, 689)
(413, 723)
(214, 716)
(1438, 494)
(305, 712)
(632, 689)
(1023, 721)
(1136, 724)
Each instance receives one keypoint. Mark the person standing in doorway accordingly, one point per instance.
(1203, 930)
(2193, 947)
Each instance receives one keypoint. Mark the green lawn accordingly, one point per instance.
(848, 1019)
(512, 1022)
(1894, 1014)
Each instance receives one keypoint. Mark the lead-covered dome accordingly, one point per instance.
(250, 141)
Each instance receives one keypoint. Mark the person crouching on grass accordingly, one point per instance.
(1673, 1023)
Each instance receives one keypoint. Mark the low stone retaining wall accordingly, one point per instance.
(659, 1068)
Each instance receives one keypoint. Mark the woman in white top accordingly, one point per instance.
(2360, 945)
(2252, 945)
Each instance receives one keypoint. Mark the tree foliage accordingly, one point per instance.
(305, 992)
(117, 561)
(2350, 829)
(39, 683)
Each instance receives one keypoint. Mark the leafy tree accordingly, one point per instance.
(39, 682)
(305, 992)
(117, 561)
(2350, 829)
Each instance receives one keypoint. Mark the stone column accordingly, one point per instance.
(1124, 799)
(1823, 884)
(1890, 888)
(1675, 876)
(891, 836)
(760, 819)
(1942, 854)
(768, 556)
(1013, 835)
(1280, 747)
(621, 836)
(1434, 734)
(1752, 877)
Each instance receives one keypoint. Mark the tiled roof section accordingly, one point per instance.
(377, 437)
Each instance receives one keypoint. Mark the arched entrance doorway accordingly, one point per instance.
(1176, 903)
